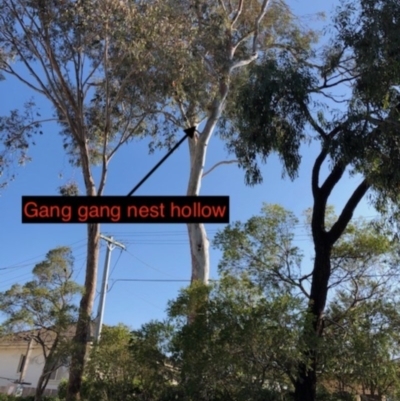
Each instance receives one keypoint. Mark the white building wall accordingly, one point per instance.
(10, 355)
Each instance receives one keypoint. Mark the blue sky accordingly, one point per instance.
(154, 251)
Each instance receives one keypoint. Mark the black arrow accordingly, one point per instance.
(189, 132)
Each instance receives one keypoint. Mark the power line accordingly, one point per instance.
(166, 233)
(25, 263)
(116, 262)
(156, 233)
(27, 275)
(155, 280)
(147, 265)
(149, 281)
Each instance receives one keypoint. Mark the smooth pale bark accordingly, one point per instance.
(199, 243)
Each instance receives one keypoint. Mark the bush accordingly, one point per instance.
(337, 396)
(6, 397)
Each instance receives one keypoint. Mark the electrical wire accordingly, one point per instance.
(147, 265)
(12, 268)
(131, 239)
(168, 233)
(115, 264)
(148, 280)
(145, 300)
(25, 263)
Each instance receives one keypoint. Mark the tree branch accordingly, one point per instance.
(237, 14)
(332, 179)
(257, 24)
(312, 121)
(124, 137)
(9, 70)
(241, 40)
(222, 4)
(242, 63)
(219, 164)
(316, 170)
(325, 85)
(347, 212)
(107, 122)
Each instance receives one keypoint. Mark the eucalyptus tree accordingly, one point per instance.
(197, 57)
(355, 118)
(66, 52)
(364, 267)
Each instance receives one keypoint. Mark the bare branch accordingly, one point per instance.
(332, 97)
(241, 40)
(124, 137)
(90, 74)
(257, 24)
(301, 286)
(53, 95)
(11, 71)
(326, 85)
(237, 14)
(230, 6)
(219, 164)
(242, 63)
(107, 125)
(222, 4)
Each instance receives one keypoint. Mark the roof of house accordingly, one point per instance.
(46, 335)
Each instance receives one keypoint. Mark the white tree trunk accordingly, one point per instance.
(199, 250)
(199, 243)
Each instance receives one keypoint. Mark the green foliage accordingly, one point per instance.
(366, 336)
(247, 335)
(17, 131)
(361, 323)
(44, 309)
(128, 366)
(267, 115)
(81, 48)
(324, 395)
(262, 249)
(62, 390)
(111, 371)
(373, 31)
(47, 301)
(280, 101)
(69, 189)
(80, 56)
(189, 51)
(156, 374)
(240, 345)
(361, 137)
